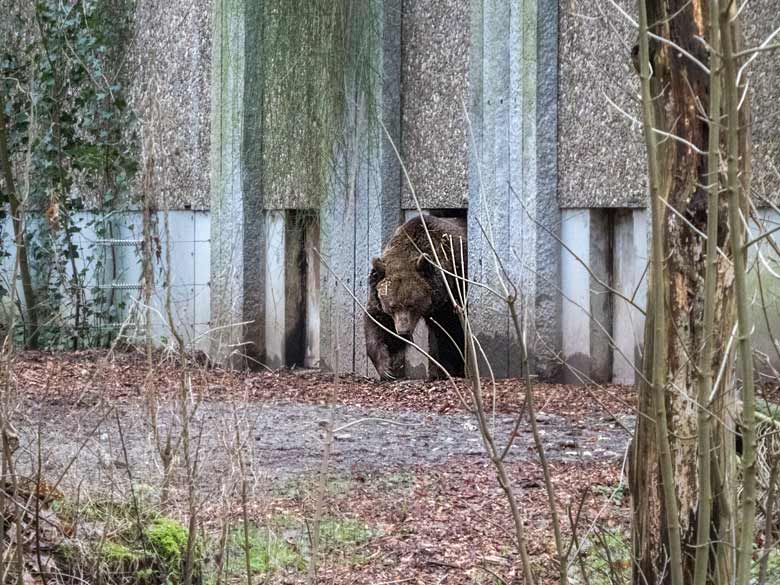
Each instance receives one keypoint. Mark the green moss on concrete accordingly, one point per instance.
(318, 58)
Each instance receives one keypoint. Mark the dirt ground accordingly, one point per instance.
(412, 469)
(91, 410)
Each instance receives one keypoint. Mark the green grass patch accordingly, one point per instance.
(282, 545)
(269, 552)
(773, 567)
(606, 560)
(337, 534)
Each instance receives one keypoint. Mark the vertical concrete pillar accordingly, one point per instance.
(543, 233)
(630, 279)
(765, 312)
(586, 310)
(365, 203)
(512, 182)
(312, 334)
(275, 293)
(600, 295)
(575, 288)
(237, 235)
(489, 177)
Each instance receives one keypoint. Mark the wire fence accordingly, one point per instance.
(110, 273)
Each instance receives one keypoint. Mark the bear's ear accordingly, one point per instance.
(377, 270)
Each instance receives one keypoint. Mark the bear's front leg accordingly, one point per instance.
(384, 349)
(448, 334)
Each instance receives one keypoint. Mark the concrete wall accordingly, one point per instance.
(236, 198)
(497, 106)
(435, 137)
(601, 155)
(586, 256)
(478, 96)
(363, 206)
(629, 278)
(165, 74)
(594, 335)
(468, 96)
(512, 178)
(168, 72)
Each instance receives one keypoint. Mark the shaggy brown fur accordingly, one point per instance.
(405, 286)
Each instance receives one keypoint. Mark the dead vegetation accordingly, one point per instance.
(445, 521)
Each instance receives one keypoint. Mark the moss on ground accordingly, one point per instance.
(168, 539)
(151, 555)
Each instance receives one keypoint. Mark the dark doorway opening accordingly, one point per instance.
(302, 311)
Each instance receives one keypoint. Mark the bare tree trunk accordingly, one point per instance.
(684, 350)
(16, 219)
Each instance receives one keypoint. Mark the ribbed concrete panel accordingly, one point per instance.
(237, 227)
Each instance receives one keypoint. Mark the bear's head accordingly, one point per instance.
(404, 291)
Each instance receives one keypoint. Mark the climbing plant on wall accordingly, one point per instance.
(71, 147)
(319, 73)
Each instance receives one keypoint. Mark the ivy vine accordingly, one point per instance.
(69, 130)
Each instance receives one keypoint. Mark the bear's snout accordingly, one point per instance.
(405, 323)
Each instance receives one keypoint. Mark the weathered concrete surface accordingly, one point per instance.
(311, 357)
(237, 226)
(601, 298)
(629, 277)
(169, 77)
(275, 289)
(364, 205)
(544, 261)
(575, 287)
(601, 153)
(434, 80)
(587, 304)
(292, 320)
(601, 156)
(164, 69)
(380, 191)
(761, 20)
(513, 211)
(488, 214)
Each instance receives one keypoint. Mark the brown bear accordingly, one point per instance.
(405, 285)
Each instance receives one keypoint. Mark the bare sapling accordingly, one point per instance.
(736, 204)
(703, 433)
(189, 451)
(657, 315)
(17, 219)
(238, 453)
(322, 479)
